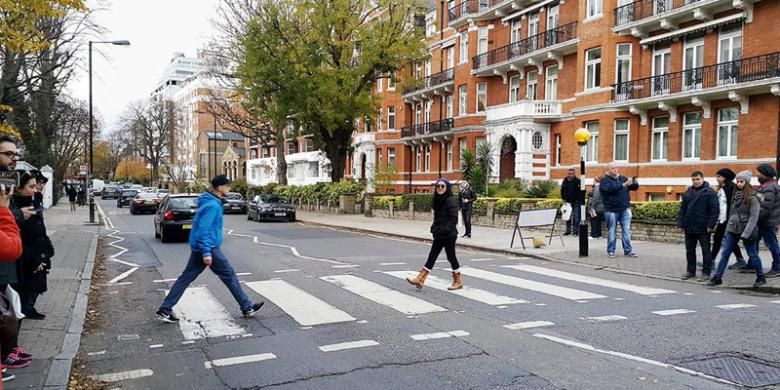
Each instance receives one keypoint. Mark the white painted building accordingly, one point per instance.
(302, 169)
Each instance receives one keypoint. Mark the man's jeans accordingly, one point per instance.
(751, 247)
(769, 234)
(702, 239)
(613, 218)
(573, 224)
(220, 266)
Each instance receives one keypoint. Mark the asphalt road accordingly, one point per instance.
(535, 326)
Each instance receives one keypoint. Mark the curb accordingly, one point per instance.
(770, 290)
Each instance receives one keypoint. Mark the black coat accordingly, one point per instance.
(37, 250)
(699, 209)
(467, 194)
(445, 218)
(570, 191)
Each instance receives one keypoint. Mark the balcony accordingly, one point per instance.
(475, 10)
(540, 110)
(435, 84)
(534, 50)
(734, 80)
(644, 16)
(428, 129)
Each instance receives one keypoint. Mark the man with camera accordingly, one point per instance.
(615, 189)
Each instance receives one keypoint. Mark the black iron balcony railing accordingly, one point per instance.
(431, 81)
(428, 128)
(641, 9)
(539, 41)
(471, 7)
(726, 73)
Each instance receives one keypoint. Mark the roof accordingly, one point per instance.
(224, 135)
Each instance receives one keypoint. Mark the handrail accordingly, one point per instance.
(427, 128)
(641, 9)
(536, 42)
(431, 81)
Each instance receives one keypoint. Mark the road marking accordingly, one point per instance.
(641, 290)
(239, 235)
(362, 322)
(123, 376)
(382, 295)
(589, 347)
(466, 292)
(483, 259)
(673, 312)
(399, 263)
(439, 335)
(778, 302)
(305, 308)
(282, 271)
(346, 266)
(123, 275)
(201, 315)
(115, 284)
(98, 353)
(156, 346)
(348, 345)
(127, 337)
(127, 263)
(735, 306)
(544, 288)
(188, 342)
(529, 325)
(239, 360)
(164, 280)
(294, 251)
(605, 318)
(243, 274)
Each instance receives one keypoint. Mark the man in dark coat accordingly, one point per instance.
(571, 193)
(769, 217)
(698, 217)
(467, 199)
(615, 195)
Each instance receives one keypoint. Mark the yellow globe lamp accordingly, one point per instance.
(582, 136)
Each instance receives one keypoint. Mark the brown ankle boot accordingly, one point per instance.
(420, 279)
(457, 282)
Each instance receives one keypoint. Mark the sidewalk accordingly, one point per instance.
(659, 260)
(54, 341)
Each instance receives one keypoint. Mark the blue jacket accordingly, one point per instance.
(614, 195)
(207, 227)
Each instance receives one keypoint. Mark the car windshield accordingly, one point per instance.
(235, 196)
(146, 195)
(273, 199)
(184, 203)
(129, 193)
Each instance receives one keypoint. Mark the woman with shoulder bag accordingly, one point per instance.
(10, 250)
(745, 209)
(445, 233)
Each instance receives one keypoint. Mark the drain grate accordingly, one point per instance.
(738, 370)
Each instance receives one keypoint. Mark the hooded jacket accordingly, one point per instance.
(770, 205)
(699, 209)
(445, 215)
(207, 227)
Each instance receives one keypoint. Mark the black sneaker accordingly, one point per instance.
(166, 317)
(687, 276)
(715, 282)
(741, 263)
(772, 274)
(34, 315)
(760, 281)
(8, 376)
(255, 308)
(747, 270)
(632, 254)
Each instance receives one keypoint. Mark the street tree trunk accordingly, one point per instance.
(281, 162)
(337, 145)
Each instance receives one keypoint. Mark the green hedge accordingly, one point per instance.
(658, 211)
(383, 202)
(323, 192)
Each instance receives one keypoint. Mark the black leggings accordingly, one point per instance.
(448, 244)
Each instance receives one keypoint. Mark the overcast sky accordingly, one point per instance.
(156, 29)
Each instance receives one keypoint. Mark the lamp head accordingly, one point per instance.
(582, 136)
(121, 43)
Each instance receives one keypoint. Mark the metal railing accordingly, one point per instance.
(539, 41)
(433, 127)
(471, 7)
(641, 9)
(726, 73)
(431, 81)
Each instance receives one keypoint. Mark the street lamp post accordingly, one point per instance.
(582, 136)
(91, 131)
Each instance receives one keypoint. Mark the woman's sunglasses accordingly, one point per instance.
(441, 186)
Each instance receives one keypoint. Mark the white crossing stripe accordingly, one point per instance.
(590, 280)
(305, 308)
(284, 271)
(482, 259)
(349, 345)
(673, 312)
(382, 295)
(528, 325)
(735, 306)
(778, 302)
(606, 318)
(123, 376)
(346, 266)
(397, 263)
(164, 280)
(544, 288)
(466, 292)
(439, 335)
(243, 273)
(239, 360)
(203, 316)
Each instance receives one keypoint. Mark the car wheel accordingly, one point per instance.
(248, 217)
(291, 219)
(156, 232)
(164, 237)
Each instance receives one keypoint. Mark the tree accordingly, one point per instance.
(133, 170)
(69, 142)
(151, 124)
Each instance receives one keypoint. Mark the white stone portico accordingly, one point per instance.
(364, 158)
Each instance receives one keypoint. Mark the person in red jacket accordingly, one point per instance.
(10, 243)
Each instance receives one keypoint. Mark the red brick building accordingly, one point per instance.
(665, 87)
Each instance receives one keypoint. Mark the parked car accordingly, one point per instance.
(137, 187)
(234, 204)
(270, 207)
(110, 192)
(161, 193)
(144, 202)
(174, 216)
(125, 198)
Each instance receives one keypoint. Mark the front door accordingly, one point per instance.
(507, 165)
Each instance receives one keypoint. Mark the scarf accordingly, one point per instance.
(738, 194)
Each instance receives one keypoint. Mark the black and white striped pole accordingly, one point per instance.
(582, 136)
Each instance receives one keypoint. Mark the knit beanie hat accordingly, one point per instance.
(727, 173)
(219, 180)
(745, 175)
(767, 170)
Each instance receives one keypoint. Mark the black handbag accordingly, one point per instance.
(9, 325)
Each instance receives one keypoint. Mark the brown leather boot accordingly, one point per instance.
(420, 279)
(457, 282)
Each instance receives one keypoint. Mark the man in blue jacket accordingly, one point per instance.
(617, 208)
(697, 218)
(205, 240)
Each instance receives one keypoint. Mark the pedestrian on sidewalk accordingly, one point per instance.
(571, 194)
(697, 218)
(72, 194)
(742, 225)
(467, 199)
(82, 195)
(770, 215)
(35, 262)
(40, 181)
(205, 241)
(595, 209)
(615, 195)
(445, 233)
(726, 188)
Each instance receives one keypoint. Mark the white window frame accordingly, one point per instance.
(697, 46)
(664, 131)
(391, 118)
(621, 132)
(449, 105)
(418, 159)
(514, 89)
(730, 36)
(533, 24)
(463, 96)
(732, 126)
(427, 67)
(379, 84)
(482, 40)
(463, 144)
(464, 48)
(531, 85)
(553, 16)
(593, 9)
(551, 83)
(693, 128)
(428, 158)
(620, 58)
(557, 150)
(379, 162)
(391, 82)
(482, 95)
(428, 106)
(592, 149)
(450, 57)
(516, 31)
(379, 119)
(390, 158)
(593, 69)
(661, 85)
(449, 156)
